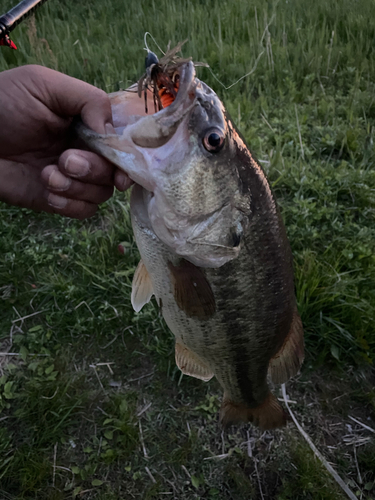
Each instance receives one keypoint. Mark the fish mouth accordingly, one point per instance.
(156, 129)
(185, 94)
(173, 90)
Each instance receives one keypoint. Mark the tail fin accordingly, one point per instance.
(268, 415)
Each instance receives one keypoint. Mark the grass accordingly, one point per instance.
(73, 426)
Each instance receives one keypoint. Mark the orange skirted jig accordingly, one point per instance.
(161, 77)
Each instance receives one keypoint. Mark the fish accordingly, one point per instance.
(213, 246)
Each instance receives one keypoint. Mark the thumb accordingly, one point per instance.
(67, 97)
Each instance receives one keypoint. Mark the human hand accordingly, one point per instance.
(39, 165)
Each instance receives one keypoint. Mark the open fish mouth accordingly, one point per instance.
(137, 134)
(175, 101)
(172, 87)
(151, 126)
(163, 83)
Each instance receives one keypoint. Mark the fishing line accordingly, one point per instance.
(242, 77)
(155, 42)
(207, 65)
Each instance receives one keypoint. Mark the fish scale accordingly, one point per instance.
(213, 247)
(235, 334)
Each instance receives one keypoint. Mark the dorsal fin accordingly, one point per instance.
(286, 363)
(191, 290)
(142, 289)
(190, 364)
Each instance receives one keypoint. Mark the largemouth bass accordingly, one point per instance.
(213, 246)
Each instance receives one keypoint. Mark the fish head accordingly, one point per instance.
(185, 158)
(197, 207)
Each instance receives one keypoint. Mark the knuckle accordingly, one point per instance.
(100, 94)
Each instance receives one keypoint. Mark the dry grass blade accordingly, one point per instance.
(172, 53)
(317, 453)
(361, 424)
(150, 475)
(299, 134)
(145, 454)
(250, 454)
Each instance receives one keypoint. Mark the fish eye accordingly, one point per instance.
(213, 141)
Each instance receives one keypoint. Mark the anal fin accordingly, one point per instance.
(286, 363)
(268, 415)
(190, 364)
(142, 289)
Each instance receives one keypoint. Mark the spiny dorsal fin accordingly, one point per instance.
(192, 291)
(267, 415)
(142, 289)
(286, 363)
(190, 364)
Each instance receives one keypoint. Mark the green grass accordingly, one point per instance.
(70, 425)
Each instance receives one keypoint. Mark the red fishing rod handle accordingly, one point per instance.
(12, 18)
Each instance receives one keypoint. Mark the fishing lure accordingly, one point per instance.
(162, 77)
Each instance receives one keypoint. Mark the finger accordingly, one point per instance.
(20, 185)
(87, 167)
(58, 183)
(122, 181)
(67, 96)
(92, 168)
(76, 209)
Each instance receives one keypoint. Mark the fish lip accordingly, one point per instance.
(187, 75)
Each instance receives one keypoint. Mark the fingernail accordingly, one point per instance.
(77, 166)
(58, 181)
(122, 181)
(109, 129)
(57, 201)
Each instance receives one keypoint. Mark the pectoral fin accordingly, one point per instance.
(190, 364)
(142, 289)
(286, 363)
(191, 290)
